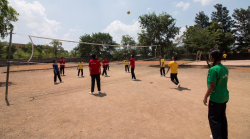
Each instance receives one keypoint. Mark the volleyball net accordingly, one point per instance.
(43, 50)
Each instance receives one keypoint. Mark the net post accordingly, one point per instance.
(8, 71)
(32, 50)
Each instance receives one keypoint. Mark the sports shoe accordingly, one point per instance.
(82, 76)
(77, 76)
(61, 81)
(56, 82)
(106, 75)
(211, 136)
(178, 86)
(134, 79)
(91, 93)
(63, 75)
(100, 92)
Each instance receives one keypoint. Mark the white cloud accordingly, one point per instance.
(116, 29)
(123, 3)
(33, 16)
(183, 5)
(176, 12)
(204, 2)
(148, 8)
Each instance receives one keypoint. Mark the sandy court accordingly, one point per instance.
(149, 108)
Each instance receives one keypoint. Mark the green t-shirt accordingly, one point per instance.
(218, 74)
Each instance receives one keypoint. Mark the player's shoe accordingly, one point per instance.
(106, 75)
(63, 75)
(134, 79)
(178, 86)
(56, 82)
(82, 76)
(78, 76)
(211, 136)
(61, 81)
(91, 93)
(100, 92)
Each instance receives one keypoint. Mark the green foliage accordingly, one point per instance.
(242, 28)
(7, 15)
(159, 29)
(57, 47)
(202, 20)
(101, 38)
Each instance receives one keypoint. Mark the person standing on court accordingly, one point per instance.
(126, 65)
(56, 72)
(225, 57)
(173, 66)
(62, 66)
(132, 64)
(162, 67)
(104, 65)
(217, 78)
(95, 71)
(108, 64)
(80, 68)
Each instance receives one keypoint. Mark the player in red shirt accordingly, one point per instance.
(108, 64)
(104, 65)
(62, 66)
(132, 64)
(95, 71)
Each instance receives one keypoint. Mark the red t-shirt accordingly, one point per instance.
(132, 61)
(94, 65)
(62, 63)
(104, 63)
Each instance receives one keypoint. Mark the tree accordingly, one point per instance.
(100, 38)
(13, 50)
(57, 47)
(159, 29)
(7, 15)
(196, 39)
(202, 20)
(128, 41)
(144, 40)
(221, 16)
(242, 27)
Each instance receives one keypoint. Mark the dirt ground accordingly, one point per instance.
(151, 107)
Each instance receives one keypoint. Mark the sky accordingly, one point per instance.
(69, 19)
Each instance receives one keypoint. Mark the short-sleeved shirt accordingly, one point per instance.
(104, 63)
(132, 61)
(80, 65)
(218, 74)
(162, 63)
(94, 65)
(173, 66)
(56, 67)
(126, 62)
(62, 63)
(225, 56)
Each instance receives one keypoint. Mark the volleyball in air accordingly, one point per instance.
(128, 12)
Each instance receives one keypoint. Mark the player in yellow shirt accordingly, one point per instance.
(162, 67)
(173, 66)
(225, 57)
(80, 68)
(126, 65)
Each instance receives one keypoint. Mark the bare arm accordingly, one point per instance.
(209, 91)
(89, 71)
(167, 71)
(100, 69)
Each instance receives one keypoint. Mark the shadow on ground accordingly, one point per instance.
(181, 88)
(100, 95)
(2, 84)
(137, 80)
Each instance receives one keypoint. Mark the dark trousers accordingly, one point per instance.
(218, 120)
(62, 70)
(162, 70)
(58, 75)
(108, 67)
(98, 80)
(174, 78)
(126, 68)
(80, 70)
(104, 70)
(133, 73)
